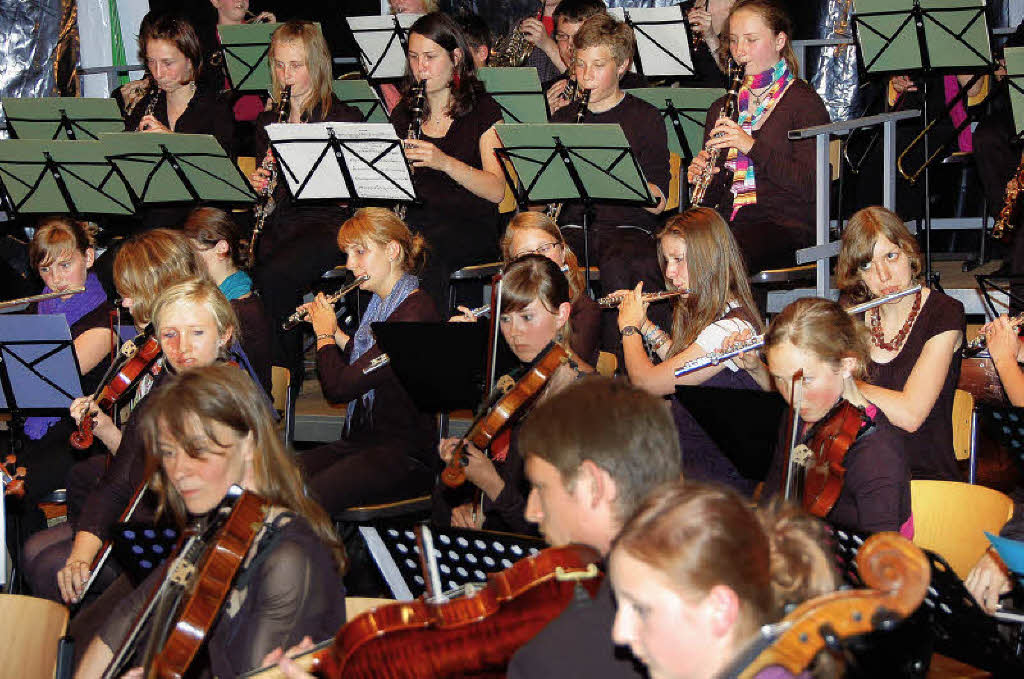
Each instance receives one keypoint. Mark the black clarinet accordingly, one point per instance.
(266, 204)
(419, 98)
(729, 107)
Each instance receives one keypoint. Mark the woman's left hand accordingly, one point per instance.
(151, 124)
(321, 315)
(1001, 339)
(632, 308)
(732, 136)
(422, 153)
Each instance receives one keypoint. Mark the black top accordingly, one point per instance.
(476, 229)
(706, 70)
(256, 332)
(585, 322)
(784, 170)
(645, 132)
(929, 449)
(206, 113)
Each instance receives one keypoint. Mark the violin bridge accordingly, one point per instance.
(591, 572)
(802, 455)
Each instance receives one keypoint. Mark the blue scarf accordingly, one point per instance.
(378, 310)
(73, 308)
(236, 285)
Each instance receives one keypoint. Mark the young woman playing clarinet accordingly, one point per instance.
(386, 452)
(916, 340)
(204, 431)
(769, 201)
(687, 606)
(456, 173)
(534, 233)
(535, 312)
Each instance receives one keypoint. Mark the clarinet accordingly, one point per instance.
(153, 93)
(700, 187)
(419, 97)
(266, 204)
(553, 210)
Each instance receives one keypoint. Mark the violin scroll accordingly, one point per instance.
(82, 438)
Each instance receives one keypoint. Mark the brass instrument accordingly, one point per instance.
(697, 37)
(513, 49)
(301, 314)
(729, 110)
(553, 210)
(612, 301)
(1006, 224)
(756, 342)
(266, 205)
(419, 99)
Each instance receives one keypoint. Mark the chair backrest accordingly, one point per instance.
(675, 166)
(280, 392)
(963, 408)
(32, 631)
(607, 364)
(950, 519)
(354, 605)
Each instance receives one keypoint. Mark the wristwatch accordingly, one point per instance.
(629, 330)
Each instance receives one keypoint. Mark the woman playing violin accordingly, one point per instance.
(916, 341)
(534, 233)
(207, 429)
(535, 311)
(817, 350)
(686, 604)
(386, 451)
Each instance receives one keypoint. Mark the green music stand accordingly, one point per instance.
(70, 118)
(245, 50)
(175, 168)
(382, 41)
(73, 177)
(518, 93)
(1014, 57)
(358, 93)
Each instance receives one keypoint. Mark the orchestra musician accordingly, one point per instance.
(456, 172)
(537, 30)
(708, 19)
(298, 241)
(769, 200)
(478, 37)
(534, 233)
(535, 312)
(686, 605)
(386, 452)
(916, 340)
(204, 431)
(216, 237)
(697, 253)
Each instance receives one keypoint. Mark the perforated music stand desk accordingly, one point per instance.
(245, 49)
(68, 118)
(383, 42)
(517, 92)
(359, 94)
(663, 40)
(70, 177)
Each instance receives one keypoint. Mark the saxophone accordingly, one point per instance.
(419, 96)
(1006, 224)
(700, 187)
(553, 210)
(513, 49)
(266, 204)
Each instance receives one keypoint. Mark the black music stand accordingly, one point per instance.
(990, 285)
(70, 118)
(663, 40)
(383, 42)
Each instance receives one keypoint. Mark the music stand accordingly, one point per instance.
(245, 49)
(39, 375)
(382, 42)
(518, 93)
(140, 547)
(663, 40)
(1014, 57)
(177, 168)
(73, 177)
(358, 93)
(990, 286)
(70, 118)
(597, 164)
(350, 161)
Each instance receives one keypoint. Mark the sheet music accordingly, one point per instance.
(661, 39)
(372, 153)
(380, 51)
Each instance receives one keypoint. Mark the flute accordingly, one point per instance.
(612, 301)
(40, 297)
(979, 341)
(716, 357)
(301, 314)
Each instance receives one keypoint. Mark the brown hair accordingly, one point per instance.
(717, 274)
(624, 430)
(578, 11)
(822, 327)
(380, 226)
(465, 87)
(538, 221)
(536, 277)
(318, 62)
(858, 248)
(57, 235)
(604, 29)
(176, 30)
(201, 292)
(207, 226)
(225, 394)
(149, 262)
(775, 17)
(703, 536)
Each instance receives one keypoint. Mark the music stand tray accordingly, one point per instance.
(517, 92)
(245, 49)
(663, 40)
(358, 93)
(68, 118)
(382, 42)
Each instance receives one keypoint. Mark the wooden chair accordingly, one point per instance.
(964, 420)
(356, 605)
(33, 633)
(281, 393)
(607, 364)
(673, 200)
(950, 519)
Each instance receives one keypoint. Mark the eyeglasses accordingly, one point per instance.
(539, 250)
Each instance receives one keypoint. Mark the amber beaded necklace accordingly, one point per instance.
(877, 335)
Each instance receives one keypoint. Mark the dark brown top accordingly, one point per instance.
(585, 320)
(930, 448)
(256, 332)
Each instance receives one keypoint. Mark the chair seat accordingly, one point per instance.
(389, 510)
(32, 631)
(792, 274)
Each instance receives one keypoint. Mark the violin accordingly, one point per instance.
(471, 636)
(898, 576)
(823, 454)
(139, 355)
(12, 476)
(511, 405)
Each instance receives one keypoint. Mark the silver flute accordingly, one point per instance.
(615, 300)
(41, 297)
(301, 314)
(981, 340)
(716, 357)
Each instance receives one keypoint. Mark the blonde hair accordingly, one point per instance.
(605, 30)
(57, 235)
(150, 262)
(202, 292)
(226, 395)
(822, 327)
(380, 226)
(538, 221)
(318, 62)
(858, 247)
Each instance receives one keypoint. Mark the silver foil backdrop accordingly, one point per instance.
(835, 74)
(39, 44)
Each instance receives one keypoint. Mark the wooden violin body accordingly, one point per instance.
(13, 476)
